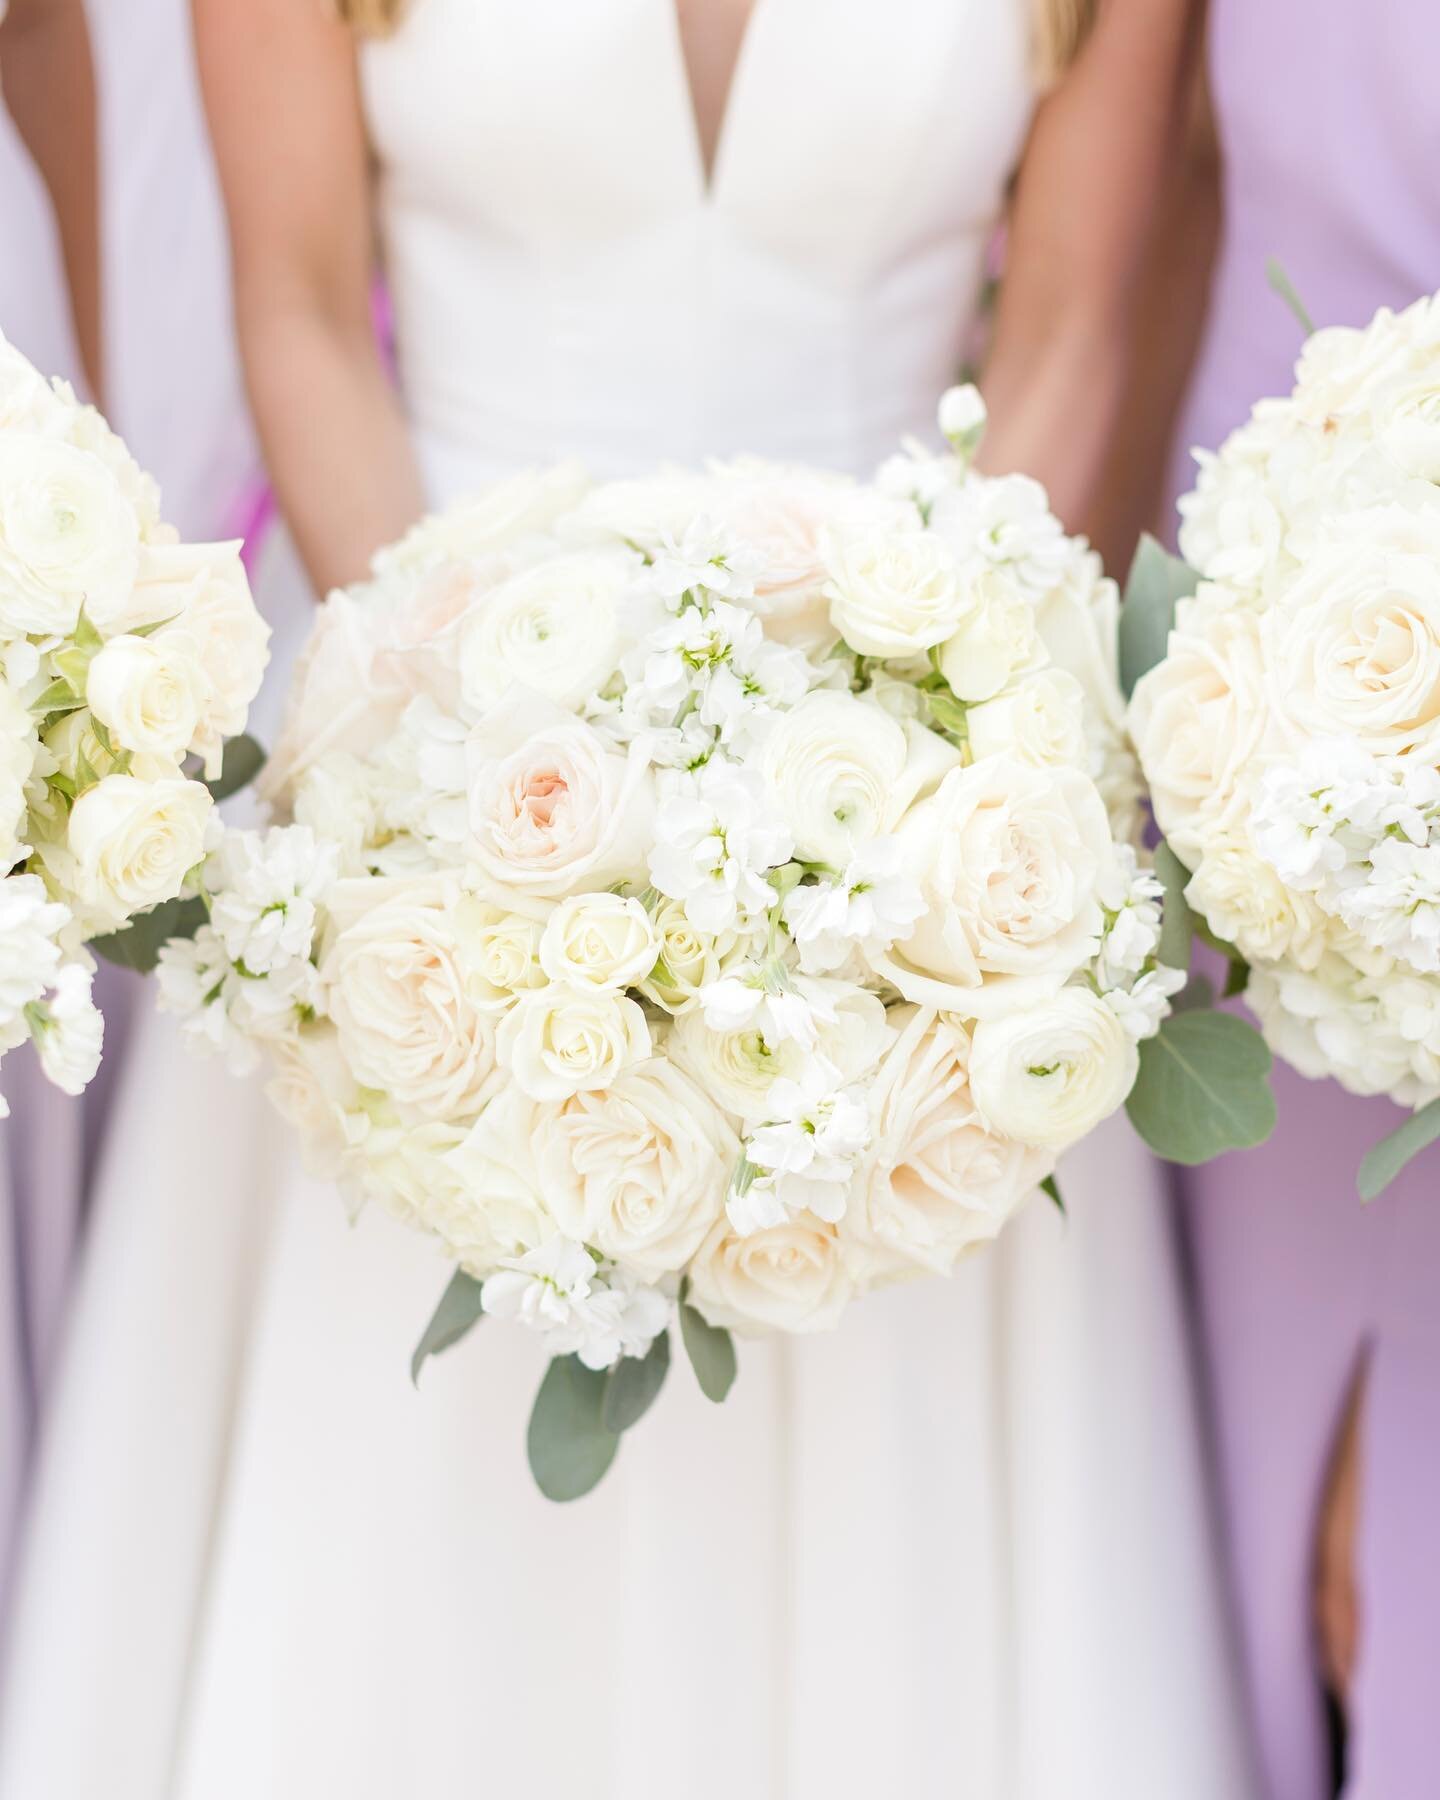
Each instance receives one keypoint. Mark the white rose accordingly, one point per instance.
(994, 642)
(18, 746)
(312, 1088)
(686, 959)
(560, 1039)
(146, 693)
(68, 537)
(790, 1277)
(203, 590)
(643, 511)
(1047, 1076)
(552, 808)
(134, 842)
(1008, 859)
(504, 514)
(553, 630)
(1200, 716)
(1245, 902)
(502, 951)
(1041, 721)
(599, 941)
(640, 1171)
(833, 763)
(937, 1181)
(892, 592)
(1354, 649)
(782, 515)
(395, 984)
(28, 402)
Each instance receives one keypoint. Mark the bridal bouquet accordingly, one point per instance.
(705, 898)
(122, 653)
(1291, 733)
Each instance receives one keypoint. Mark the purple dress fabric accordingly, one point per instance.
(1330, 133)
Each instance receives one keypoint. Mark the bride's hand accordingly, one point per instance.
(1336, 1593)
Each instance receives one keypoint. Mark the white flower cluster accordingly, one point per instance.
(122, 653)
(706, 879)
(1291, 735)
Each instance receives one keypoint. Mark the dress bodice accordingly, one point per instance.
(567, 281)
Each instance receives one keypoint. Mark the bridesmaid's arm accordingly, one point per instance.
(282, 93)
(49, 81)
(1102, 148)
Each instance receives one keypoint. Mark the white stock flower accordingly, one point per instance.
(577, 1307)
(146, 693)
(705, 555)
(872, 903)
(598, 941)
(961, 413)
(1004, 524)
(1009, 860)
(30, 926)
(265, 890)
(395, 984)
(196, 981)
(19, 745)
(560, 1039)
(134, 842)
(1143, 1007)
(69, 1031)
(807, 1150)
(68, 536)
(892, 592)
(552, 629)
(1049, 1075)
(716, 836)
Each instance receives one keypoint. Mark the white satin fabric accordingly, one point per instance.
(958, 1548)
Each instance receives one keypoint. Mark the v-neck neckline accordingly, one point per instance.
(709, 178)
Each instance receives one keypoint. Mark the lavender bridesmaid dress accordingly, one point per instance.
(1330, 133)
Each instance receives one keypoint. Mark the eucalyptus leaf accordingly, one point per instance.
(1196, 995)
(1203, 1088)
(1051, 1187)
(1156, 581)
(1237, 976)
(458, 1312)
(138, 945)
(1280, 282)
(242, 762)
(1384, 1161)
(569, 1444)
(711, 1350)
(1177, 927)
(633, 1384)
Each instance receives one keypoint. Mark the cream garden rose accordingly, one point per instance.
(1048, 1076)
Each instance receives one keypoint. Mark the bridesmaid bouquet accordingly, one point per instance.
(1291, 731)
(704, 898)
(124, 654)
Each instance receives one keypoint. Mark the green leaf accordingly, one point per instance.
(570, 1445)
(1196, 995)
(138, 945)
(1203, 1088)
(633, 1384)
(1051, 1187)
(243, 761)
(711, 1350)
(459, 1310)
(947, 712)
(1387, 1158)
(1282, 284)
(1157, 580)
(1177, 926)
(1237, 976)
(58, 697)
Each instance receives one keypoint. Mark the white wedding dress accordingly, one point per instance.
(958, 1548)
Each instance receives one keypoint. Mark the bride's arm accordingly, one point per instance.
(282, 93)
(1102, 146)
(49, 82)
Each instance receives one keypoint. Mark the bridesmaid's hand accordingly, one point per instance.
(1337, 1595)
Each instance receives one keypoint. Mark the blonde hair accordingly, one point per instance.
(1061, 26)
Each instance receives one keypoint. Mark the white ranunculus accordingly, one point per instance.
(1008, 859)
(395, 985)
(1040, 721)
(147, 693)
(18, 746)
(937, 1181)
(552, 629)
(790, 1277)
(68, 537)
(552, 808)
(28, 402)
(1355, 650)
(598, 941)
(134, 842)
(1245, 902)
(892, 592)
(560, 1039)
(1200, 716)
(994, 642)
(640, 1171)
(1047, 1076)
(686, 959)
(204, 593)
(834, 763)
